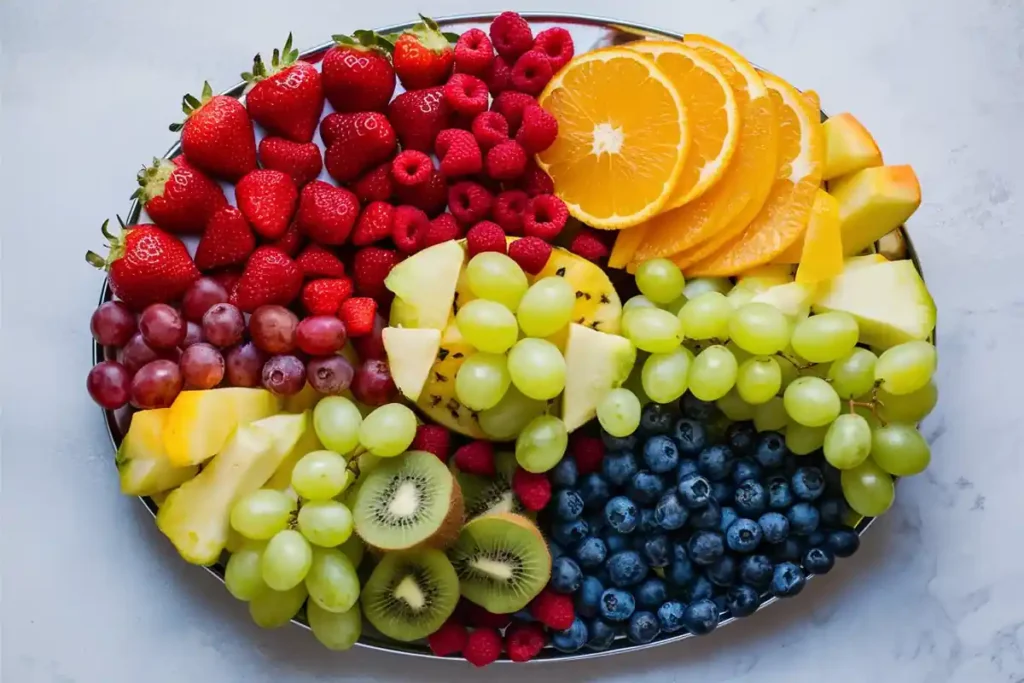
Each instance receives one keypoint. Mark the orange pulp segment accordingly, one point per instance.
(626, 244)
(822, 255)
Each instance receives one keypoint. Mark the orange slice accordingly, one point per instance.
(786, 212)
(626, 244)
(822, 255)
(622, 137)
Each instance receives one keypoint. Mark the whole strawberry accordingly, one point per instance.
(423, 56)
(418, 116)
(267, 198)
(356, 143)
(327, 213)
(270, 277)
(287, 98)
(177, 196)
(300, 160)
(228, 240)
(217, 136)
(370, 267)
(357, 73)
(146, 265)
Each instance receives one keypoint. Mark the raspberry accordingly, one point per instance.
(556, 44)
(291, 241)
(511, 104)
(324, 297)
(476, 457)
(369, 268)
(473, 53)
(432, 439)
(357, 313)
(469, 202)
(531, 253)
(535, 180)
(588, 245)
(478, 617)
(483, 647)
(409, 228)
(485, 236)
(450, 639)
(442, 229)
(431, 197)
(459, 153)
(524, 641)
(315, 261)
(508, 211)
(531, 72)
(506, 160)
(375, 185)
(533, 490)
(498, 76)
(466, 94)
(489, 129)
(552, 609)
(411, 168)
(374, 223)
(511, 35)
(537, 131)
(587, 451)
(545, 217)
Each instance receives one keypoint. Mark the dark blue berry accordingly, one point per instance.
(670, 616)
(646, 487)
(618, 467)
(616, 542)
(789, 550)
(588, 599)
(680, 571)
(746, 468)
(572, 638)
(705, 547)
(570, 533)
(594, 491)
(648, 522)
(685, 469)
(617, 605)
(787, 580)
(602, 635)
(728, 515)
(618, 443)
(771, 450)
(566, 575)
(565, 473)
(803, 519)
(743, 536)
(701, 617)
(750, 499)
(626, 569)
(690, 436)
(657, 418)
(742, 438)
(591, 552)
(716, 462)
(774, 527)
(780, 496)
(621, 514)
(719, 600)
(808, 483)
(832, 511)
(601, 574)
(670, 513)
(656, 550)
(699, 589)
(709, 517)
(696, 409)
(756, 570)
(643, 628)
(819, 561)
(723, 492)
(555, 550)
(661, 454)
(843, 542)
(568, 505)
(816, 539)
(742, 601)
(695, 491)
(597, 523)
(723, 572)
(651, 593)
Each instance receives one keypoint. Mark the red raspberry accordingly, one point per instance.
(375, 185)
(531, 72)
(478, 617)
(459, 153)
(588, 245)
(450, 639)
(473, 53)
(431, 196)
(524, 641)
(545, 217)
(369, 268)
(531, 253)
(315, 261)
(498, 76)
(324, 297)
(442, 229)
(511, 35)
(409, 228)
(485, 236)
(469, 202)
(511, 104)
(433, 439)
(508, 211)
(483, 647)
(588, 451)
(411, 168)
(533, 490)
(358, 314)
(557, 44)
(506, 161)
(552, 609)
(466, 94)
(374, 223)
(489, 129)
(535, 180)
(476, 457)
(537, 131)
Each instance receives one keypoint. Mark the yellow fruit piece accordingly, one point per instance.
(411, 352)
(142, 464)
(764, 277)
(822, 255)
(437, 399)
(597, 303)
(874, 201)
(306, 399)
(849, 146)
(622, 138)
(813, 99)
(201, 421)
(793, 299)
(626, 244)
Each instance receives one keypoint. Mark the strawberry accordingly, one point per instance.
(177, 196)
(327, 213)
(146, 265)
(374, 223)
(423, 55)
(324, 297)
(291, 241)
(459, 153)
(369, 268)
(270, 277)
(217, 136)
(288, 98)
(418, 116)
(228, 240)
(375, 185)
(267, 198)
(315, 261)
(356, 143)
(357, 73)
(300, 160)
(357, 314)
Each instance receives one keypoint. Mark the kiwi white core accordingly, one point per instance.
(498, 570)
(409, 590)
(406, 500)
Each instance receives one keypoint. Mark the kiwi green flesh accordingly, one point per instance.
(485, 495)
(410, 594)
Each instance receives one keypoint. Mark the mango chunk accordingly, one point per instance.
(873, 202)
(849, 146)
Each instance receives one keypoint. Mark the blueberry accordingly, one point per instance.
(572, 638)
(626, 568)
(618, 443)
(750, 499)
(617, 605)
(803, 519)
(832, 511)
(621, 514)
(555, 550)
(680, 571)
(701, 617)
(565, 473)
(723, 572)
(648, 522)
(787, 580)
(728, 515)
(690, 436)
(646, 487)
(816, 539)
(657, 418)
(594, 491)
(723, 492)
(716, 462)
(568, 505)
(661, 454)
(756, 570)
(685, 469)
(643, 628)
(771, 450)
(569, 533)
(709, 517)
(705, 547)
(743, 536)
(597, 523)
(742, 438)
(670, 513)
(695, 491)
(819, 561)
(651, 593)
(780, 496)
(699, 589)
(655, 550)
(774, 527)
(591, 552)
(601, 574)
(566, 575)
(808, 483)
(789, 550)
(696, 409)
(602, 635)
(742, 601)
(843, 542)
(719, 600)
(588, 599)
(616, 543)
(670, 616)
(746, 468)
(619, 467)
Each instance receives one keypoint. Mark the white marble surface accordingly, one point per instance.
(91, 592)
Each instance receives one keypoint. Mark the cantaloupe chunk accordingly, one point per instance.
(849, 146)
(874, 201)
(822, 255)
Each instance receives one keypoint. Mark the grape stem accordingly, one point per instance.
(795, 363)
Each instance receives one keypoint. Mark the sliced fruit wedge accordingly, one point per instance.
(201, 421)
(411, 353)
(595, 363)
(849, 146)
(821, 255)
(874, 201)
(425, 284)
(142, 462)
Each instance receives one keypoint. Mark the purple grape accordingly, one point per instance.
(156, 385)
(330, 375)
(109, 384)
(372, 383)
(162, 326)
(223, 325)
(320, 335)
(203, 295)
(284, 375)
(244, 365)
(112, 324)
(273, 328)
(137, 353)
(193, 334)
(202, 366)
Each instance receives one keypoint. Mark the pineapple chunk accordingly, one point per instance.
(200, 422)
(142, 463)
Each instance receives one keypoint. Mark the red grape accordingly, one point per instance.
(273, 328)
(156, 384)
(162, 326)
(223, 325)
(201, 296)
(112, 324)
(202, 366)
(193, 334)
(137, 353)
(245, 365)
(371, 346)
(330, 375)
(373, 384)
(109, 384)
(284, 375)
(320, 335)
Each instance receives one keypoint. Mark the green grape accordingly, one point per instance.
(853, 374)
(699, 285)
(367, 462)
(336, 421)
(652, 329)
(487, 326)
(866, 412)
(635, 381)
(332, 581)
(759, 379)
(243, 574)
(707, 316)
(619, 412)
(824, 337)
(335, 631)
(910, 408)
(388, 431)
(321, 475)
(905, 368)
(262, 513)
(788, 369)
(660, 280)
(676, 304)
(514, 411)
(638, 301)
(326, 523)
(495, 277)
(537, 368)
(819, 370)
(542, 443)
(847, 441)
(770, 416)
(868, 489)
(802, 440)
(286, 560)
(900, 450)
(811, 401)
(664, 375)
(759, 328)
(546, 307)
(712, 373)
(273, 609)
(740, 296)
(735, 408)
(354, 550)
(482, 380)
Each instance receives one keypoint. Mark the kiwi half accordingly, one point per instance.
(489, 495)
(502, 562)
(411, 593)
(409, 501)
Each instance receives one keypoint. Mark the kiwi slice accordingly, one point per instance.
(408, 501)
(411, 593)
(502, 562)
(489, 495)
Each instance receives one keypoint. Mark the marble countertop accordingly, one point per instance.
(93, 594)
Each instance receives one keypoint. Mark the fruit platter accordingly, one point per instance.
(514, 337)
